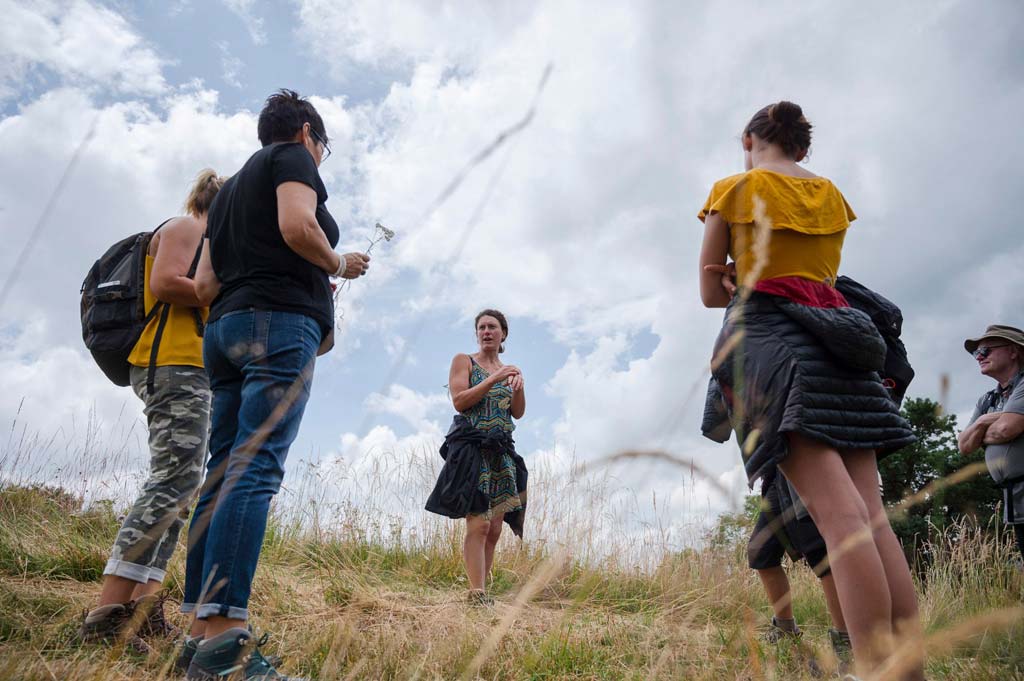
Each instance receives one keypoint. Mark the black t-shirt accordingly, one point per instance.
(255, 266)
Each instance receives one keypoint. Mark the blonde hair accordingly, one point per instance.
(204, 189)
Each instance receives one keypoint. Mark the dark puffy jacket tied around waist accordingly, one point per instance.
(456, 493)
(803, 369)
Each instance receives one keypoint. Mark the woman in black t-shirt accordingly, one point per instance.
(266, 270)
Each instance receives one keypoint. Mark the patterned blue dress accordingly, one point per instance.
(497, 469)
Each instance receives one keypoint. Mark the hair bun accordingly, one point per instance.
(785, 113)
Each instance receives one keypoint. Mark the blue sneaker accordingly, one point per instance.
(188, 651)
(235, 656)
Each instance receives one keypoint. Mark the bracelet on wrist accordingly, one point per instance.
(342, 266)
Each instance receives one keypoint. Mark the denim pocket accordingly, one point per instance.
(285, 339)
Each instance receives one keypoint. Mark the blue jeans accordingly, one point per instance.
(260, 365)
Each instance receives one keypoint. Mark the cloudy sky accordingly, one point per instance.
(581, 228)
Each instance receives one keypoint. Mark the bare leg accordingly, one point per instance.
(117, 590)
(148, 589)
(828, 586)
(198, 628)
(216, 625)
(477, 528)
(493, 534)
(863, 468)
(776, 585)
(820, 477)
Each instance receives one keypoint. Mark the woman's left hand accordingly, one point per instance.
(728, 273)
(515, 381)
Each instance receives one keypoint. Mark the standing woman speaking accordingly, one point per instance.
(799, 370)
(483, 479)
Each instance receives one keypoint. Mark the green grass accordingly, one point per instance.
(341, 605)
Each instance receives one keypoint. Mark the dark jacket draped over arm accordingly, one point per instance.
(456, 493)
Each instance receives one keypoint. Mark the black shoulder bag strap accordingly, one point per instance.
(165, 312)
(197, 317)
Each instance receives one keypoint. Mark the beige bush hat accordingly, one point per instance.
(1009, 333)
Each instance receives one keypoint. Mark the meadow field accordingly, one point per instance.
(351, 591)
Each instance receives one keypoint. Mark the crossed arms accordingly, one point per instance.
(991, 429)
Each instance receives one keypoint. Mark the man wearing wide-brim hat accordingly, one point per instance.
(998, 421)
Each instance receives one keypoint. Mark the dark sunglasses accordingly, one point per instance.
(986, 350)
(323, 143)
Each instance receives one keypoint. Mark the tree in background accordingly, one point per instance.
(733, 529)
(933, 457)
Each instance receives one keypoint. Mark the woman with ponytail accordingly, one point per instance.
(168, 376)
(796, 369)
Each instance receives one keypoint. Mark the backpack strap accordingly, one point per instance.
(1007, 487)
(196, 316)
(151, 373)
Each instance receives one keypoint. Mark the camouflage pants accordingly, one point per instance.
(178, 414)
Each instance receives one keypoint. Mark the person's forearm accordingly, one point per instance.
(310, 242)
(177, 291)
(207, 285)
(1007, 427)
(994, 435)
(518, 404)
(207, 290)
(468, 398)
(971, 438)
(714, 296)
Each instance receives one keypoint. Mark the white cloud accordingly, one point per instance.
(81, 42)
(411, 406)
(230, 65)
(399, 34)
(65, 422)
(245, 10)
(134, 173)
(591, 228)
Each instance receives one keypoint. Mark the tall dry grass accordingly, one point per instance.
(352, 585)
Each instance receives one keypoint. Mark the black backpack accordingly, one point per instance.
(114, 308)
(888, 318)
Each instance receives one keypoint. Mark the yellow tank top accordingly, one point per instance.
(180, 344)
(806, 217)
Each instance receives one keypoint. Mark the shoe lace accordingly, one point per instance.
(156, 620)
(258, 665)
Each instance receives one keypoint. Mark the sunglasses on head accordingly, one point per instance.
(984, 351)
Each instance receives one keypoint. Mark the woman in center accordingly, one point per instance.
(483, 478)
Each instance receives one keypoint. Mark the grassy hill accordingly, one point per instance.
(343, 606)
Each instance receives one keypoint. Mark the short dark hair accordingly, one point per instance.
(283, 116)
(784, 124)
(502, 322)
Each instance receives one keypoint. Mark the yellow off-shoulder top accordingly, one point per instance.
(808, 218)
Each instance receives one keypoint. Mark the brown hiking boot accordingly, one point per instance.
(842, 648)
(479, 598)
(113, 624)
(155, 624)
(776, 632)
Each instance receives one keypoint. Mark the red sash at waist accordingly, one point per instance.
(802, 291)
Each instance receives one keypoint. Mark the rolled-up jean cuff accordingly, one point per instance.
(132, 571)
(218, 610)
(187, 608)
